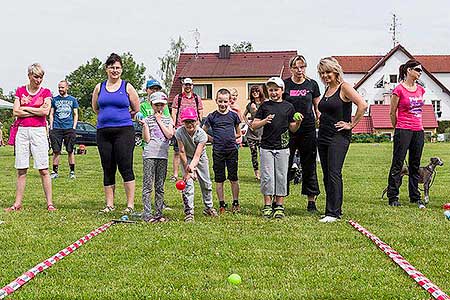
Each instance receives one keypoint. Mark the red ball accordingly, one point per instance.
(180, 185)
(446, 206)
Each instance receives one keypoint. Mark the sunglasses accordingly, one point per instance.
(418, 70)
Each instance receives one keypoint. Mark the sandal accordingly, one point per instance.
(158, 220)
(128, 210)
(173, 178)
(267, 211)
(51, 207)
(106, 210)
(13, 208)
(278, 212)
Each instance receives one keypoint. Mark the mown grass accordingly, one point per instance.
(295, 258)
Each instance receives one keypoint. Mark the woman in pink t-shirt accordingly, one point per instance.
(406, 118)
(31, 107)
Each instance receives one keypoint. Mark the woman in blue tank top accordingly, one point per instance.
(335, 131)
(111, 100)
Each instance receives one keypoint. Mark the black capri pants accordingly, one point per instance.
(228, 160)
(116, 146)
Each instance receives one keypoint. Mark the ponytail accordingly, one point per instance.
(402, 70)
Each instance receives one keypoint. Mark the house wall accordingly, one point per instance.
(239, 83)
(433, 91)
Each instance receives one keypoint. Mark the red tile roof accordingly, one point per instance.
(362, 64)
(244, 64)
(363, 126)
(357, 64)
(380, 116)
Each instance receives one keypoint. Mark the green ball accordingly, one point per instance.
(234, 279)
(297, 116)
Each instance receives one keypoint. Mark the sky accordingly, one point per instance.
(62, 35)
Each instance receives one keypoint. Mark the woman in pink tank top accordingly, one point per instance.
(406, 117)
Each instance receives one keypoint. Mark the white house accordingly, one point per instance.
(374, 77)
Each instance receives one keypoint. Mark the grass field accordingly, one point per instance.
(294, 258)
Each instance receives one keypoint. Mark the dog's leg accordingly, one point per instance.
(426, 191)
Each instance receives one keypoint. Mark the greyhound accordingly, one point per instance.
(425, 176)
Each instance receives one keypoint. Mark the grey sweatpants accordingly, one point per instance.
(205, 185)
(274, 168)
(155, 171)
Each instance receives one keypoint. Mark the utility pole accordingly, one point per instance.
(197, 41)
(394, 29)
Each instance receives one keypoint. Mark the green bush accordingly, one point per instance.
(370, 138)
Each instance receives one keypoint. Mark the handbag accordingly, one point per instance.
(13, 132)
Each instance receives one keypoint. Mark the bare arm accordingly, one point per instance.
(394, 107)
(258, 123)
(134, 100)
(167, 131)
(43, 110)
(145, 131)
(94, 102)
(294, 126)
(350, 94)
(174, 115)
(200, 114)
(75, 118)
(196, 158)
(206, 128)
(316, 107)
(50, 117)
(18, 111)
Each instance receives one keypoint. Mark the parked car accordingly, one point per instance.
(86, 134)
(137, 133)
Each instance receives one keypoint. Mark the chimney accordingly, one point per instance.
(224, 52)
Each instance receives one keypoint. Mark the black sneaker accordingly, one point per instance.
(311, 207)
(394, 203)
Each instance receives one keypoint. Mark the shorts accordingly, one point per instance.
(31, 140)
(175, 144)
(274, 170)
(228, 160)
(57, 136)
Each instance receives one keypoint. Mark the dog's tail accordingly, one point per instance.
(384, 193)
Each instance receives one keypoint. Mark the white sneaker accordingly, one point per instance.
(328, 219)
(72, 175)
(53, 175)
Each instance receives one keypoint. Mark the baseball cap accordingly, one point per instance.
(189, 113)
(276, 80)
(188, 81)
(158, 97)
(153, 82)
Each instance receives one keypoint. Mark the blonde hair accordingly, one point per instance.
(330, 64)
(36, 69)
(234, 90)
(295, 59)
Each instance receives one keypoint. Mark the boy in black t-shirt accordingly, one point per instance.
(224, 125)
(277, 117)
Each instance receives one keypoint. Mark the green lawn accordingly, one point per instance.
(294, 258)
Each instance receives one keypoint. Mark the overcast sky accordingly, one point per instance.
(62, 35)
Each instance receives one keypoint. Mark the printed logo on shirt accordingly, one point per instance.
(298, 93)
(415, 106)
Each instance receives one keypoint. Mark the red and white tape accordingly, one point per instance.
(30, 274)
(424, 282)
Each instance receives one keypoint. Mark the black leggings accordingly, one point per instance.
(306, 143)
(116, 146)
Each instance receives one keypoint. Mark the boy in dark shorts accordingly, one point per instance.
(224, 125)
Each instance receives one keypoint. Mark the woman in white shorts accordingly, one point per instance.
(31, 106)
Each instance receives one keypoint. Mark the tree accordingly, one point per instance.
(169, 62)
(244, 46)
(84, 79)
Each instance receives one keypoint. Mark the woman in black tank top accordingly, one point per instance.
(335, 131)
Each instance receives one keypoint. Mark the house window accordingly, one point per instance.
(393, 78)
(204, 91)
(264, 88)
(378, 102)
(436, 105)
